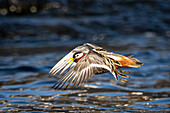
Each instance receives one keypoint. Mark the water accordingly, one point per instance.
(31, 45)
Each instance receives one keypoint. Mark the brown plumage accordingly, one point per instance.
(86, 60)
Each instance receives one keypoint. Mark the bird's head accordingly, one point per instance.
(79, 52)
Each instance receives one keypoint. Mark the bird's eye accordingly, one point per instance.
(77, 55)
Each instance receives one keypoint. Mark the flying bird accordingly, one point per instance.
(88, 59)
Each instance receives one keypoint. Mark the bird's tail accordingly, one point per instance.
(128, 61)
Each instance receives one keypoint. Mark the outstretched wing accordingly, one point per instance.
(82, 71)
(63, 64)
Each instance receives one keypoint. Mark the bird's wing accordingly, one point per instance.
(82, 71)
(63, 64)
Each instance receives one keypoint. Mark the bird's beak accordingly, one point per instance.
(71, 60)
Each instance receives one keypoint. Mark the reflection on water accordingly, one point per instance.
(31, 45)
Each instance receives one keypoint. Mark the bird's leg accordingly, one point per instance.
(126, 72)
(121, 74)
(118, 73)
(122, 80)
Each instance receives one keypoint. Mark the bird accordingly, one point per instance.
(87, 60)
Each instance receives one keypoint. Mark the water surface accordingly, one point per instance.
(31, 45)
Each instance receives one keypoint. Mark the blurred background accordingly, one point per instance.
(36, 34)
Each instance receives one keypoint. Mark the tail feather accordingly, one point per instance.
(130, 62)
(138, 63)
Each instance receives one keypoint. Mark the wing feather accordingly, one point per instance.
(65, 81)
(75, 79)
(61, 80)
(80, 78)
(66, 67)
(61, 64)
(71, 80)
(70, 76)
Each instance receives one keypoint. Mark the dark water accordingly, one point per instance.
(30, 45)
